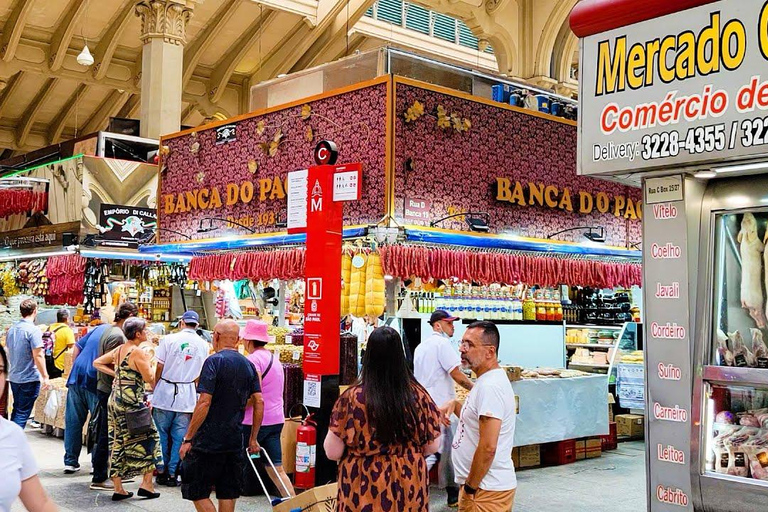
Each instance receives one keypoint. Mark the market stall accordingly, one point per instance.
(468, 204)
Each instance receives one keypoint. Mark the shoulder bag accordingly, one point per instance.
(139, 420)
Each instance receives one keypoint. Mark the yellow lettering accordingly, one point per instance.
(233, 193)
(246, 192)
(639, 209)
(585, 202)
(215, 199)
(611, 72)
(503, 190)
(202, 199)
(565, 201)
(618, 205)
(265, 185)
(762, 30)
(636, 63)
(180, 206)
(653, 51)
(517, 195)
(629, 213)
(709, 36)
(277, 189)
(551, 196)
(603, 203)
(667, 74)
(685, 63)
(536, 193)
(191, 200)
(168, 201)
(731, 29)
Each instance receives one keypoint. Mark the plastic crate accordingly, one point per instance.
(611, 441)
(559, 453)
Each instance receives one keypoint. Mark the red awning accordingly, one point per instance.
(591, 17)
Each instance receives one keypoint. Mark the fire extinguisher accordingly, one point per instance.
(306, 448)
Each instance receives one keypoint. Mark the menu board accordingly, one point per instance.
(668, 359)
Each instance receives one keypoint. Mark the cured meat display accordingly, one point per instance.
(27, 199)
(66, 279)
(283, 264)
(740, 450)
(497, 267)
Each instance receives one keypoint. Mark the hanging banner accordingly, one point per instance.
(125, 226)
(685, 89)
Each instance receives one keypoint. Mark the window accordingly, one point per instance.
(390, 11)
(417, 18)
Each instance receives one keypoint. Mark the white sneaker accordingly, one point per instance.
(69, 470)
(106, 485)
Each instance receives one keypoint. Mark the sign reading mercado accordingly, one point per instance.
(689, 88)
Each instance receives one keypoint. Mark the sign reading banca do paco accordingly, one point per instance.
(684, 89)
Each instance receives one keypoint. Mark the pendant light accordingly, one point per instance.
(85, 58)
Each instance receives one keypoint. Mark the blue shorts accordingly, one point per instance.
(268, 439)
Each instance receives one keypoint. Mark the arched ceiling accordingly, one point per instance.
(46, 96)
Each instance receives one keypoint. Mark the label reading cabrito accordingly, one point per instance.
(675, 414)
(669, 331)
(671, 495)
(670, 454)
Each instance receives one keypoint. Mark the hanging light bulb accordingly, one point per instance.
(85, 58)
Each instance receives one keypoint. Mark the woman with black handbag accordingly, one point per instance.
(132, 434)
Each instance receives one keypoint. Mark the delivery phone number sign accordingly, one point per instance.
(654, 94)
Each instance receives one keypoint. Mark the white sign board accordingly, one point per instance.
(346, 186)
(297, 200)
(312, 391)
(654, 94)
(663, 190)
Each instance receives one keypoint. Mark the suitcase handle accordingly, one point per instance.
(251, 457)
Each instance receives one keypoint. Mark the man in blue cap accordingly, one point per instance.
(180, 359)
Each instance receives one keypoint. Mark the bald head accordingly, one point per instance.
(226, 334)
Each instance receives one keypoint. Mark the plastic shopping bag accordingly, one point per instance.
(52, 404)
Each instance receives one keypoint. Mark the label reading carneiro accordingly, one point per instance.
(674, 414)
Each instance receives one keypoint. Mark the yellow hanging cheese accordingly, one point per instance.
(357, 285)
(375, 296)
(346, 282)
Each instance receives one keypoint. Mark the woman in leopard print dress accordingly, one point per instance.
(381, 430)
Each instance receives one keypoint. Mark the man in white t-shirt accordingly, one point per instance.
(436, 367)
(180, 359)
(482, 446)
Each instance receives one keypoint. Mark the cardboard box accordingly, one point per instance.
(631, 425)
(318, 499)
(514, 373)
(594, 448)
(611, 401)
(530, 456)
(581, 450)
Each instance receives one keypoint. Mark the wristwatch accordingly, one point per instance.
(468, 489)
(185, 441)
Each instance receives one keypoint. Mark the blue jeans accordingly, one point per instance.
(80, 401)
(172, 427)
(24, 396)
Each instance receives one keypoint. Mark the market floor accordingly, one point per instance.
(614, 482)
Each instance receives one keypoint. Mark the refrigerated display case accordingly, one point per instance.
(729, 448)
